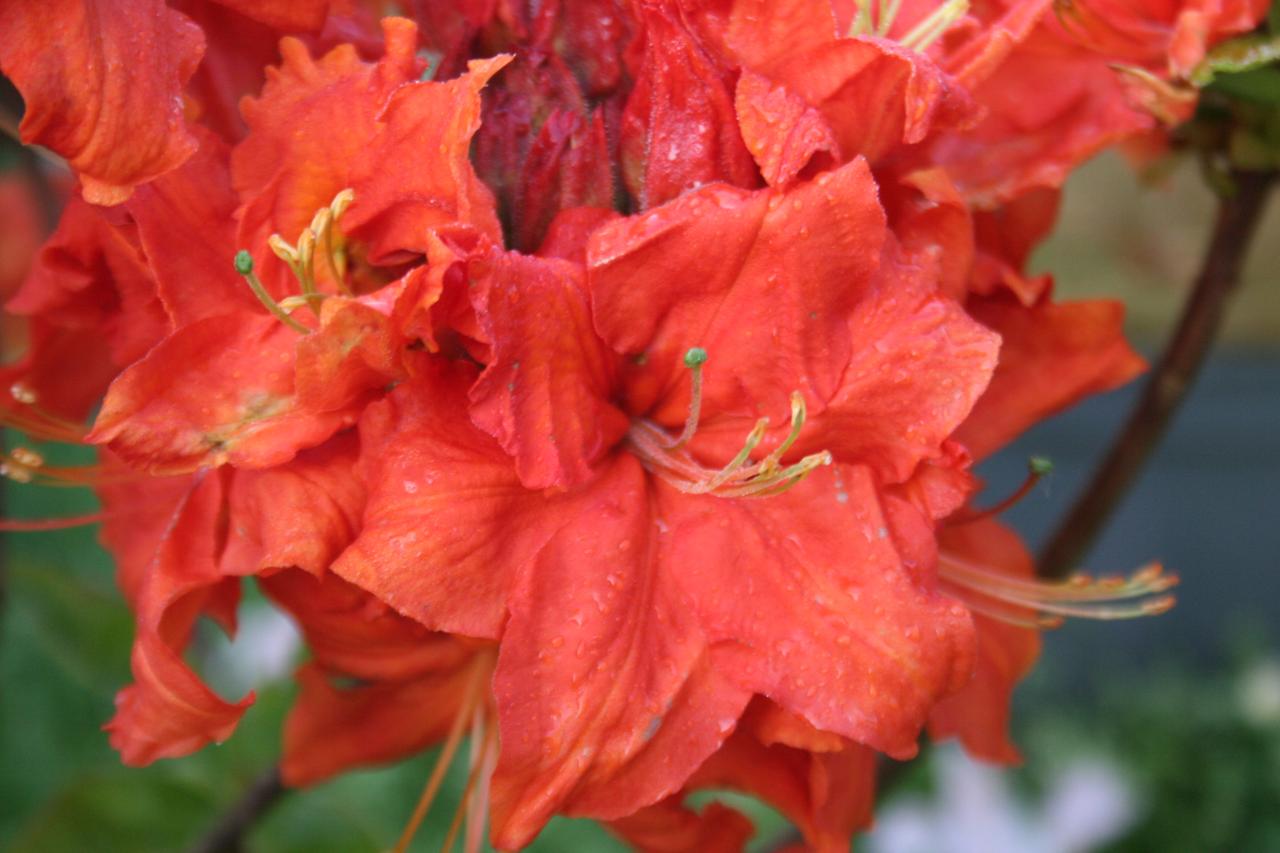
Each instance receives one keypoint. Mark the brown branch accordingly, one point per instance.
(1238, 217)
(227, 834)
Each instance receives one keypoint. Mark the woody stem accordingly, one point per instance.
(227, 833)
(1237, 221)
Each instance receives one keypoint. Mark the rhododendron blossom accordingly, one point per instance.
(599, 380)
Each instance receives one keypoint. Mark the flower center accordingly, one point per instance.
(665, 457)
(301, 260)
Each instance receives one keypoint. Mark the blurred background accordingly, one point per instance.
(1156, 734)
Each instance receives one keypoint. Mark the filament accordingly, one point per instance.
(34, 525)
(471, 696)
(665, 457)
(1037, 468)
(1032, 603)
(935, 25)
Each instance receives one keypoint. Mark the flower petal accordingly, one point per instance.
(671, 827)
(979, 714)
(678, 128)
(1081, 344)
(839, 630)
(169, 711)
(102, 81)
(763, 281)
(783, 133)
(394, 208)
(217, 391)
(544, 393)
(596, 623)
(332, 729)
(448, 522)
(920, 366)
(300, 514)
(186, 226)
(314, 121)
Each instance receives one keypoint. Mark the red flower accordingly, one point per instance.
(611, 553)
(538, 493)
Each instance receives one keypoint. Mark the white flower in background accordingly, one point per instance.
(1258, 692)
(264, 649)
(975, 811)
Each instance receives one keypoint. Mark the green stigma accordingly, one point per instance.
(244, 262)
(1040, 466)
(695, 357)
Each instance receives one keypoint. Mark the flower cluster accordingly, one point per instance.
(598, 378)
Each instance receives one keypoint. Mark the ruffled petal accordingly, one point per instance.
(102, 81)
(395, 208)
(1080, 344)
(763, 281)
(544, 392)
(217, 391)
(300, 514)
(920, 365)
(168, 711)
(838, 629)
(448, 522)
(783, 133)
(313, 123)
(618, 639)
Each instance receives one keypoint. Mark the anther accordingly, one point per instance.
(26, 457)
(244, 266)
(22, 393)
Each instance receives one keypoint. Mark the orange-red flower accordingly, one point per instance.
(483, 401)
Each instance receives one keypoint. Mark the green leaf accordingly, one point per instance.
(1261, 85)
(116, 811)
(1246, 53)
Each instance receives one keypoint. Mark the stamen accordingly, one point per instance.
(22, 394)
(36, 422)
(244, 266)
(1038, 467)
(861, 24)
(301, 258)
(888, 13)
(1011, 598)
(483, 740)
(666, 458)
(36, 525)
(26, 466)
(935, 25)
(471, 696)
